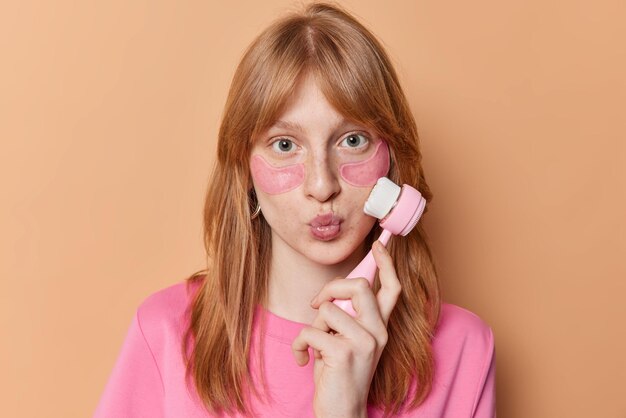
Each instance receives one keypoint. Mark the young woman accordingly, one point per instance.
(314, 116)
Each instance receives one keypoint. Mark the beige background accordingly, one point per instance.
(108, 119)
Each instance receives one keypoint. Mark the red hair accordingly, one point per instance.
(357, 78)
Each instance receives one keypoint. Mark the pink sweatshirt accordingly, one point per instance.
(148, 377)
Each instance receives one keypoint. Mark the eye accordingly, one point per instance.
(355, 141)
(283, 145)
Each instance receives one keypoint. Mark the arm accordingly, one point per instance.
(135, 387)
(485, 402)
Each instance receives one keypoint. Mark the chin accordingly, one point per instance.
(332, 255)
(326, 261)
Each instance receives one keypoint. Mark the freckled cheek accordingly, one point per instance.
(274, 180)
(366, 173)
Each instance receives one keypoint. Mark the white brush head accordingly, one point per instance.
(383, 197)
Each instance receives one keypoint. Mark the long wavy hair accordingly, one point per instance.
(356, 76)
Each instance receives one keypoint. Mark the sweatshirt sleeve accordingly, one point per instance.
(135, 387)
(485, 403)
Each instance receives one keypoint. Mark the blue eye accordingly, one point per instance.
(355, 141)
(283, 145)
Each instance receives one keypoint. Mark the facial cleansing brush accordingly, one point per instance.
(399, 209)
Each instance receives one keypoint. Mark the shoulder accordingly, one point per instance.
(168, 301)
(464, 357)
(460, 330)
(166, 310)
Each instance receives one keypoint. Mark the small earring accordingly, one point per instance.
(256, 212)
(252, 197)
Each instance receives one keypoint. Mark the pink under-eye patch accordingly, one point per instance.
(273, 180)
(366, 173)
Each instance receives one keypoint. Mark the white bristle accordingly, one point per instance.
(382, 198)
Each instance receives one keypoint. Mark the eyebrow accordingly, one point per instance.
(297, 127)
(287, 125)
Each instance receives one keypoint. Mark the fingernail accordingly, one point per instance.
(380, 247)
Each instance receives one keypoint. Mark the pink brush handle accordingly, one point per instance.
(367, 269)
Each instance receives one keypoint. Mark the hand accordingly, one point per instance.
(347, 349)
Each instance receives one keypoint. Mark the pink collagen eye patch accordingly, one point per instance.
(273, 180)
(366, 173)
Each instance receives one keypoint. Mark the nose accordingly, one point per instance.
(321, 182)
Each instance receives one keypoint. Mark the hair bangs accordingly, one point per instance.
(285, 61)
(351, 84)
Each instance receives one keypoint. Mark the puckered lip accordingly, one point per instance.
(325, 219)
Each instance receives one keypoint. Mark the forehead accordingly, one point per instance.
(306, 109)
(307, 104)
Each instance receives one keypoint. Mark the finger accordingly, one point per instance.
(365, 337)
(390, 287)
(312, 337)
(358, 290)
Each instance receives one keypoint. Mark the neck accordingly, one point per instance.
(294, 280)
